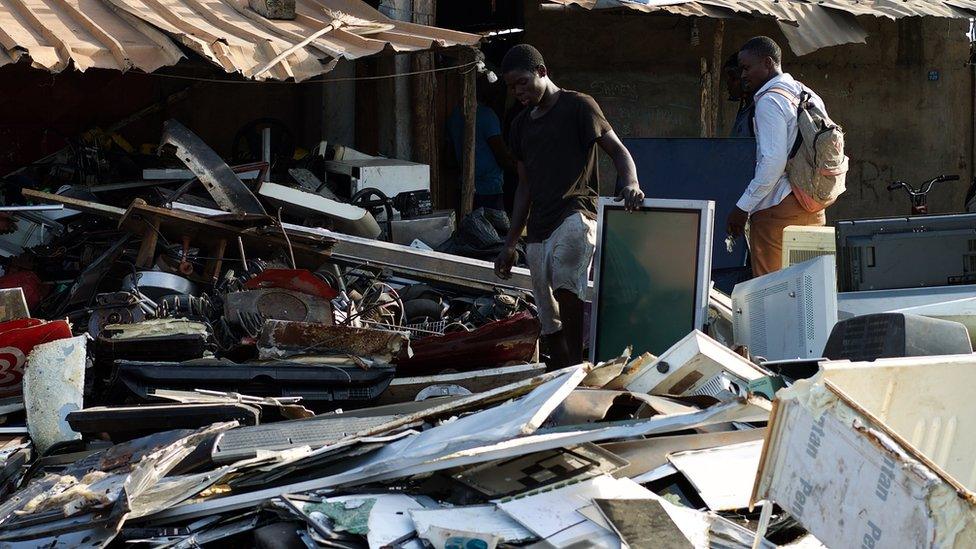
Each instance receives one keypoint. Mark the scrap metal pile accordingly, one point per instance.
(190, 363)
(194, 366)
(582, 455)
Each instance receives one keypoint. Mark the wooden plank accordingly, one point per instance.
(470, 109)
(95, 208)
(147, 250)
(426, 145)
(704, 101)
(210, 233)
(716, 75)
(212, 271)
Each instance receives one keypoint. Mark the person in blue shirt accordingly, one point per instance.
(491, 156)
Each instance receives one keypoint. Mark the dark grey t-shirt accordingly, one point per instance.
(559, 152)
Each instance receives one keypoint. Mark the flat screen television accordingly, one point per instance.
(652, 274)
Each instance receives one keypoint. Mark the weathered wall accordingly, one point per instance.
(643, 70)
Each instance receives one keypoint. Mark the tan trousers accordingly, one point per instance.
(766, 233)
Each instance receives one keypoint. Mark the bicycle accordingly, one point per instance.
(919, 196)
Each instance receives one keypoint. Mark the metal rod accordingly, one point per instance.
(240, 247)
(764, 515)
(36, 208)
(266, 149)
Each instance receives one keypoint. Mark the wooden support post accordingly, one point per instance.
(705, 101)
(426, 145)
(211, 272)
(716, 72)
(470, 108)
(147, 250)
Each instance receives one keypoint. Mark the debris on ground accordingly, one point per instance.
(217, 360)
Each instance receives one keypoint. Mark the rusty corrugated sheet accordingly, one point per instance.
(143, 34)
(808, 26)
(783, 10)
(819, 28)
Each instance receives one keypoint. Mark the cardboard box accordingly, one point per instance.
(879, 454)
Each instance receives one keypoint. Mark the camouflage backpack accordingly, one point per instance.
(817, 167)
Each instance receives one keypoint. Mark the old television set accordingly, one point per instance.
(803, 243)
(787, 314)
(906, 252)
(652, 272)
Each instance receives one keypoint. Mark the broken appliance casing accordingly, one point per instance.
(128, 422)
(896, 335)
(54, 381)
(804, 242)
(433, 230)
(17, 339)
(787, 314)
(389, 175)
(313, 382)
(33, 229)
(696, 365)
(906, 252)
(347, 218)
(277, 304)
(877, 454)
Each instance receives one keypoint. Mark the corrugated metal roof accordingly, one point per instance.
(143, 34)
(808, 26)
(819, 28)
(784, 10)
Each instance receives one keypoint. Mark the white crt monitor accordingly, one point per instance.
(787, 314)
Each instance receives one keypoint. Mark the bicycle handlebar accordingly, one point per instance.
(924, 188)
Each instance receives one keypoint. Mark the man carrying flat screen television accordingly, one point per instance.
(554, 140)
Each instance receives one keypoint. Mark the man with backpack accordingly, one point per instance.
(800, 162)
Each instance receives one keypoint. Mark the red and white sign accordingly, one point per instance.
(17, 339)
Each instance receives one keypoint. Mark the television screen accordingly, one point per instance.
(651, 279)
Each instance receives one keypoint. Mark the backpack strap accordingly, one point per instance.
(799, 102)
(790, 96)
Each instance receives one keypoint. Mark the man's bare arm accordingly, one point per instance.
(630, 191)
(520, 216)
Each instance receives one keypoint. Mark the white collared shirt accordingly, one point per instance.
(775, 126)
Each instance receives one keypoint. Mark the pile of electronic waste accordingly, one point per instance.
(209, 362)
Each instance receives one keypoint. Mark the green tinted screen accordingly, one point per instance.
(647, 284)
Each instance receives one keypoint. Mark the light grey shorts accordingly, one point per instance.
(561, 262)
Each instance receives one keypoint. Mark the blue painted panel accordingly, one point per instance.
(716, 169)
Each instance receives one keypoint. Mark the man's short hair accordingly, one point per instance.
(732, 63)
(522, 57)
(764, 46)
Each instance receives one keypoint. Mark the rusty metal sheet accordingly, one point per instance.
(820, 28)
(281, 339)
(219, 179)
(148, 35)
(87, 503)
(808, 25)
(297, 280)
(783, 11)
(497, 343)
